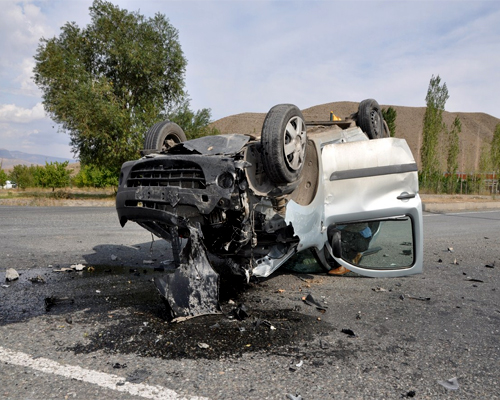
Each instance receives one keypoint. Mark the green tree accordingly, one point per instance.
(3, 176)
(53, 175)
(194, 124)
(98, 177)
(495, 149)
(390, 115)
(453, 152)
(485, 163)
(454, 146)
(433, 126)
(23, 175)
(107, 83)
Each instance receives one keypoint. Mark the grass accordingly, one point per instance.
(47, 197)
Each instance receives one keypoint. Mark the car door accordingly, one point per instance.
(372, 210)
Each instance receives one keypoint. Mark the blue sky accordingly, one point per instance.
(246, 56)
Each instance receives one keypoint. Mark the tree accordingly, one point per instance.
(437, 95)
(23, 175)
(453, 151)
(194, 124)
(495, 149)
(92, 176)
(3, 176)
(390, 115)
(53, 175)
(454, 146)
(107, 83)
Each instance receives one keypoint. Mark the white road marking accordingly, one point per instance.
(101, 379)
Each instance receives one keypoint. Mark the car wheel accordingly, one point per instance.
(163, 135)
(284, 143)
(370, 119)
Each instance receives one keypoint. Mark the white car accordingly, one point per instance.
(9, 185)
(245, 204)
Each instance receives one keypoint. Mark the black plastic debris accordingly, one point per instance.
(54, 301)
(410, 394)
(193, 289)
(311, 301)
(119, 366)
(37, 279)
(349, 332)
(492, 265)
(402, 297)
(450, 384)
(240, 312)
(474, 280)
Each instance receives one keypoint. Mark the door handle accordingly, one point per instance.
(406, 196)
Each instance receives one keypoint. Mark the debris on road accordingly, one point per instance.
(11, 275)
(203, 346)
(119, 366)
(78, 267)
(113, 257)
(379, 289)
(407, 296)
(37, 279)
(240, 312)
(469, 279)
(292, 397)
(450, 384)
(349, 332)
(311, 301)
(6, 286)
(53, 301)
(492, 265)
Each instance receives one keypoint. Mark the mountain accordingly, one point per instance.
(477, 128)
(9, 158)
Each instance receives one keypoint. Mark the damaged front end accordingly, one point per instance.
(199, 191)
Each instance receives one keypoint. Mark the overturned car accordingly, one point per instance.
(244, 205)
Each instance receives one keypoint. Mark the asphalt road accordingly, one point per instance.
(107, 337)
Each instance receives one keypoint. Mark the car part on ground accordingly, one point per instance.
(247, 204)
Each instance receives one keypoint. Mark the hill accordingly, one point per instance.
(9, 158)
(477, 128)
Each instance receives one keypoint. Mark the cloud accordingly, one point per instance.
(13, 113)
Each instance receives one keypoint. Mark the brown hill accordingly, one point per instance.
(477, 128)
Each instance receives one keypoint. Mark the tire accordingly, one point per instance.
(283, 143)
(370, 119)
(163, 135)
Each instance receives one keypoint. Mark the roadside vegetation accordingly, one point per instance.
(58, 181)
(436, 177)
(107, 83)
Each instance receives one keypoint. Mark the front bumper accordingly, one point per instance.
(171, 189)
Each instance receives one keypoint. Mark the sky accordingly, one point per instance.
(247, 56)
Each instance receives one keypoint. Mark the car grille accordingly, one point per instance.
(184, 175)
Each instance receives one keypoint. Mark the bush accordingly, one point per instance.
(92, 176)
